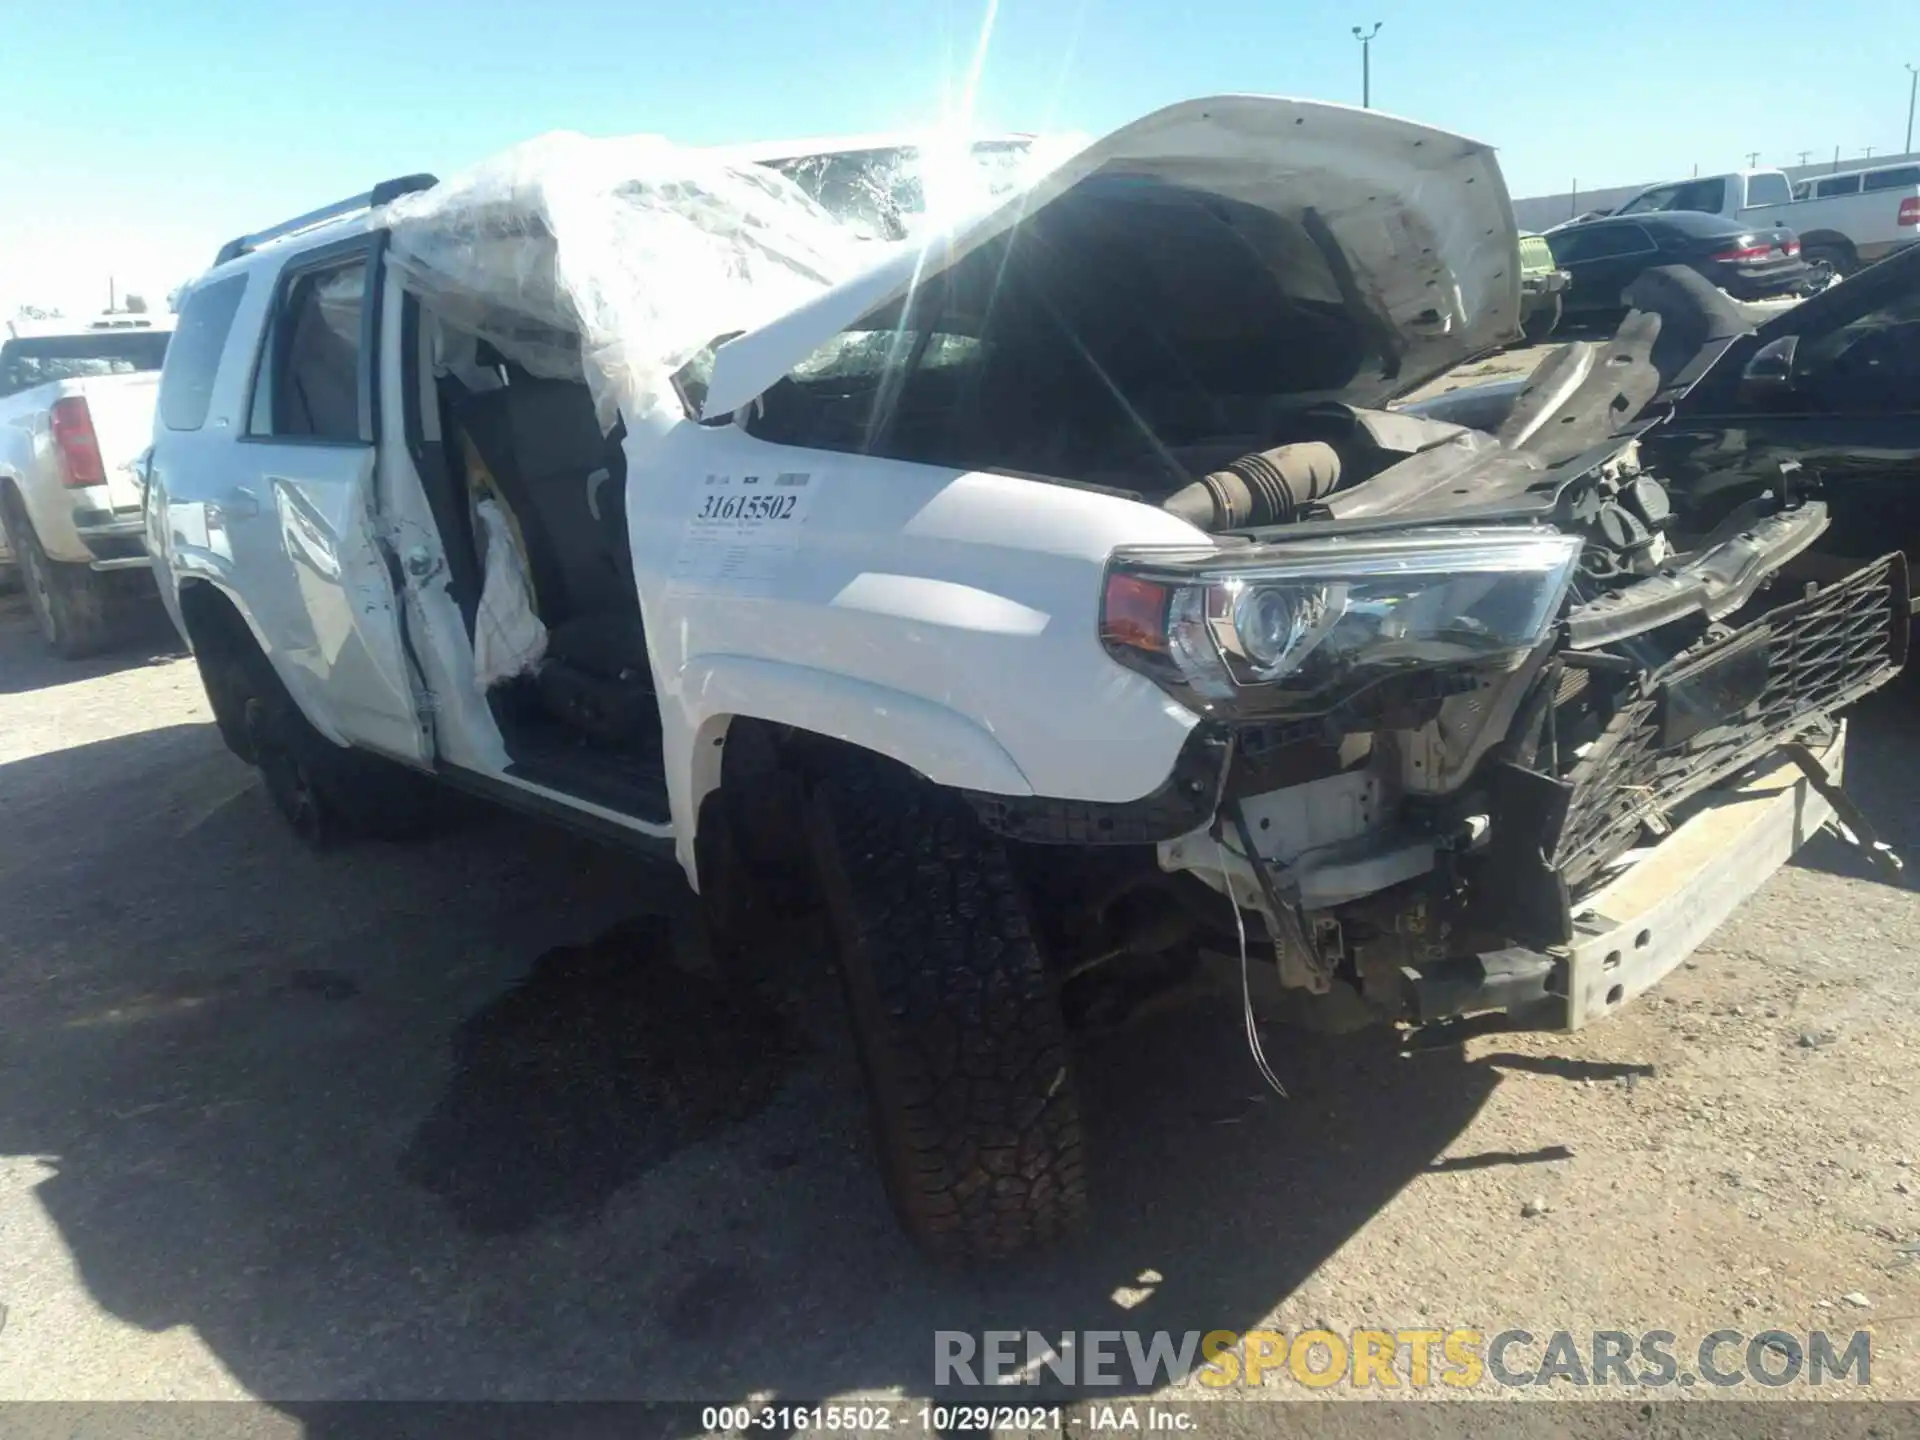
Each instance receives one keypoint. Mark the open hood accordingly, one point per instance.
(1401, 233)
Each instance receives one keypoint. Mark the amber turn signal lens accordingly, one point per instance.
(1134, 613)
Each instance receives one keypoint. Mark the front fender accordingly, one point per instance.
(943, 745)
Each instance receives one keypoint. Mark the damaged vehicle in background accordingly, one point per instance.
(1826, 394)
(893, 187)
(1055, 605)
(1605, 256)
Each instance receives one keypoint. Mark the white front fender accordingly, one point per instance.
(945, 746)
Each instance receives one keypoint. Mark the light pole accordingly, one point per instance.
(1913, 89)
(1366, 62)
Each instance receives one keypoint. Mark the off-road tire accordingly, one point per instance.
(1543, 322)
(957, 1024)
(327, 794)
(77, 608)
(743, 928)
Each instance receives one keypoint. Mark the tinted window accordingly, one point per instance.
(1837, 185)
(1660, 199)
(1870, 364)
(186, 385)
(1768, 190)
(1898, 178)
(1707, 195)
(41, 359)
(317, 370)
(1573, 246)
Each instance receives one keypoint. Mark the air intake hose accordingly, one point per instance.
(1264, 488)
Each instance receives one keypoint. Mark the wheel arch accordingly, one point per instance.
(817, 708)
(1826, 240)
(219, 626)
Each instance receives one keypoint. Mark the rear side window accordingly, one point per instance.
(1706, 195)
(1901, 177)
(1573, 246)
(1768, 190)
(1659, 199)
(315, 385)
(1836, 185)
(193, 359)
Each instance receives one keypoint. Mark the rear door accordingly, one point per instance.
(307, 551)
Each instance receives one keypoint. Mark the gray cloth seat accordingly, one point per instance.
(565, 483)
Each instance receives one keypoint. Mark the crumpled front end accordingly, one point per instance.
(1502, 766)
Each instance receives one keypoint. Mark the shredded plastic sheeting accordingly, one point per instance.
(614, 260)
(508, 637)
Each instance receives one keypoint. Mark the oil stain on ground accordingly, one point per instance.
(599, 1065)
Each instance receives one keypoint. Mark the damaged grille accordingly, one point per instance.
(1774, 678)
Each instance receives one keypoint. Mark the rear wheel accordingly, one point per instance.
(327, 794)
(956, 1021)
(74, 606)
(1837, 258)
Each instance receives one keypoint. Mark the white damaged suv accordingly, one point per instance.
(1054, 602)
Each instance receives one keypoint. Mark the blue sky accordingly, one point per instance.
(137, 136)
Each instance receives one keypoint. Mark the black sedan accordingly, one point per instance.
(1605, 256)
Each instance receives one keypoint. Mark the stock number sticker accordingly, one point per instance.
(743, 530)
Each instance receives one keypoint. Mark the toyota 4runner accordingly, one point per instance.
(1048, 601)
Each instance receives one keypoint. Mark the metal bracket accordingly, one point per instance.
(1848, 822)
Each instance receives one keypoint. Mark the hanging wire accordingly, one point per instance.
(1246, 983)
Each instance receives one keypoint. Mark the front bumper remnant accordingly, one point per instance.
(1711, 713)
(1638, 926)
(1634, 930)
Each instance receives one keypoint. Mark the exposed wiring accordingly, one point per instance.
(1246, 983)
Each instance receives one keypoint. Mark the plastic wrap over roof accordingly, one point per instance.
(617, 259)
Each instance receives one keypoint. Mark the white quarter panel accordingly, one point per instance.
(945, 617)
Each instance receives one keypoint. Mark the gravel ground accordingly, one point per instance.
(467, 1119)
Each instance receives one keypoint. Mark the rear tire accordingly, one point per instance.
(328, 795)
(1838, 258)
(75, 606)
(956, 1021)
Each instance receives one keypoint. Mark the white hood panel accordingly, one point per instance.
(1418, 218)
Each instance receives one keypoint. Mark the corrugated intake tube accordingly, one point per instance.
(1264, 488)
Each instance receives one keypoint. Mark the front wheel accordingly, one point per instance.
(956, 1021)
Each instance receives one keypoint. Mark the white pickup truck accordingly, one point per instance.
(76, 412)
(1841, 228)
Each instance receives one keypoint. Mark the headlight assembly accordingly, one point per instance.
(1302, 625)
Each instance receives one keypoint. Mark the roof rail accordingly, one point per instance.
(380, 194)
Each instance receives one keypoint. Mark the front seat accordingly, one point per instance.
(564, 484)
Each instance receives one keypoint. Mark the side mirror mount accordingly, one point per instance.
(1768, 377)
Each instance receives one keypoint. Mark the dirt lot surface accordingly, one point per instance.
(466, 1119)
